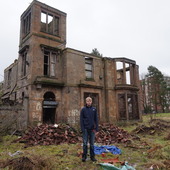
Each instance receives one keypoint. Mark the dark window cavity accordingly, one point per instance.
(89, 67)
(26, 23)
(49, 63)
(49, 23)
(9, 76)
(24, 63)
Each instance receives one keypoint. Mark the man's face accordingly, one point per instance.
(88, 102)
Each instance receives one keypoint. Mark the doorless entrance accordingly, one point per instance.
(49, 108)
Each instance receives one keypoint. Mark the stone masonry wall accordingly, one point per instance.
(12, 118)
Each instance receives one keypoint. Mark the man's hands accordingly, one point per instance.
(95, 131)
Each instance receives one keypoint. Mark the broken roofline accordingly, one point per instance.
(109, 58)
(121, 59)
(44, 6)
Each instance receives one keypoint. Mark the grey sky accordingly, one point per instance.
(136, 29)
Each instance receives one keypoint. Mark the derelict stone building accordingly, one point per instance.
(51, 81)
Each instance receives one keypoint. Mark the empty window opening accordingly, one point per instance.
(24, 63)
(119, 67)
(23, 95)
(122, 107)
(49, 23)
(9, 76)
(127, 73)
(26, 23)
(89, 67)
(49, 63)
(53, 64)
(128, 107)
(46, 62)
(49, 96)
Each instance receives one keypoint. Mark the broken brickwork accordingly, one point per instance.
(52, 81)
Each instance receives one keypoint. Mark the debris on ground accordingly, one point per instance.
(156, 125)
(160, 122)
(111, 160)
(167, 163)
(106, 148)
(109, 133)
(19, 163)
(14, 154)
(46, 134)
(109, 166)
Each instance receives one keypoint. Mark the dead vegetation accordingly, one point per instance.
(146, 147)
(155, 126)
(19, 163)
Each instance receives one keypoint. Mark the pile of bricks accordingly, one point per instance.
(50, 134)
(109, 134)
(62, 133)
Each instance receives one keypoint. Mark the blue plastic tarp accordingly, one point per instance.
(107, 148)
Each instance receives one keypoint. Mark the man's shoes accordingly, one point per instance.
(83, 158)
(93, 159)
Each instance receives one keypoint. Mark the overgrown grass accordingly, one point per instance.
(150, 150)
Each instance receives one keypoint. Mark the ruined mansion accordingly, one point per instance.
(50, 81)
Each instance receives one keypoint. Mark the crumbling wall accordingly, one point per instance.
(12, 119)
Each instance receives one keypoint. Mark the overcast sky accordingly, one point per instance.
(135, 29)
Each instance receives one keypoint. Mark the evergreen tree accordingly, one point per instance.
(96, 52)
(157, 91)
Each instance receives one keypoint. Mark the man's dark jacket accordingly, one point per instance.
(89, 118)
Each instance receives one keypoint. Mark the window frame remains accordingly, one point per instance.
(24, 63)
(50, 58)
(50, 23)
(26, 24)
(9, 76)
(89, 68)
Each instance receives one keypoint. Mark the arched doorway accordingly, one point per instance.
(49, 108)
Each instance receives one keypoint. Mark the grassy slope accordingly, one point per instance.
(142, 154)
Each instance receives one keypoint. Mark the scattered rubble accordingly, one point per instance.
(49, 134)
(109, 134)
(156, 125)
(62, 133)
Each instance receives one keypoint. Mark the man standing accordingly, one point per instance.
(89, 126)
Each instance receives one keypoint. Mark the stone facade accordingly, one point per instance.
(52, 81)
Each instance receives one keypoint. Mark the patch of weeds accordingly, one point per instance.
(153, 164)
(166, 151)
(155, 152)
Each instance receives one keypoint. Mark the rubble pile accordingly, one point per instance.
(50, 134)
(62, 133)
(156, 125)
(109, 134)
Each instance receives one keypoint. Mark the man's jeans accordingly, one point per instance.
(88, 135)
